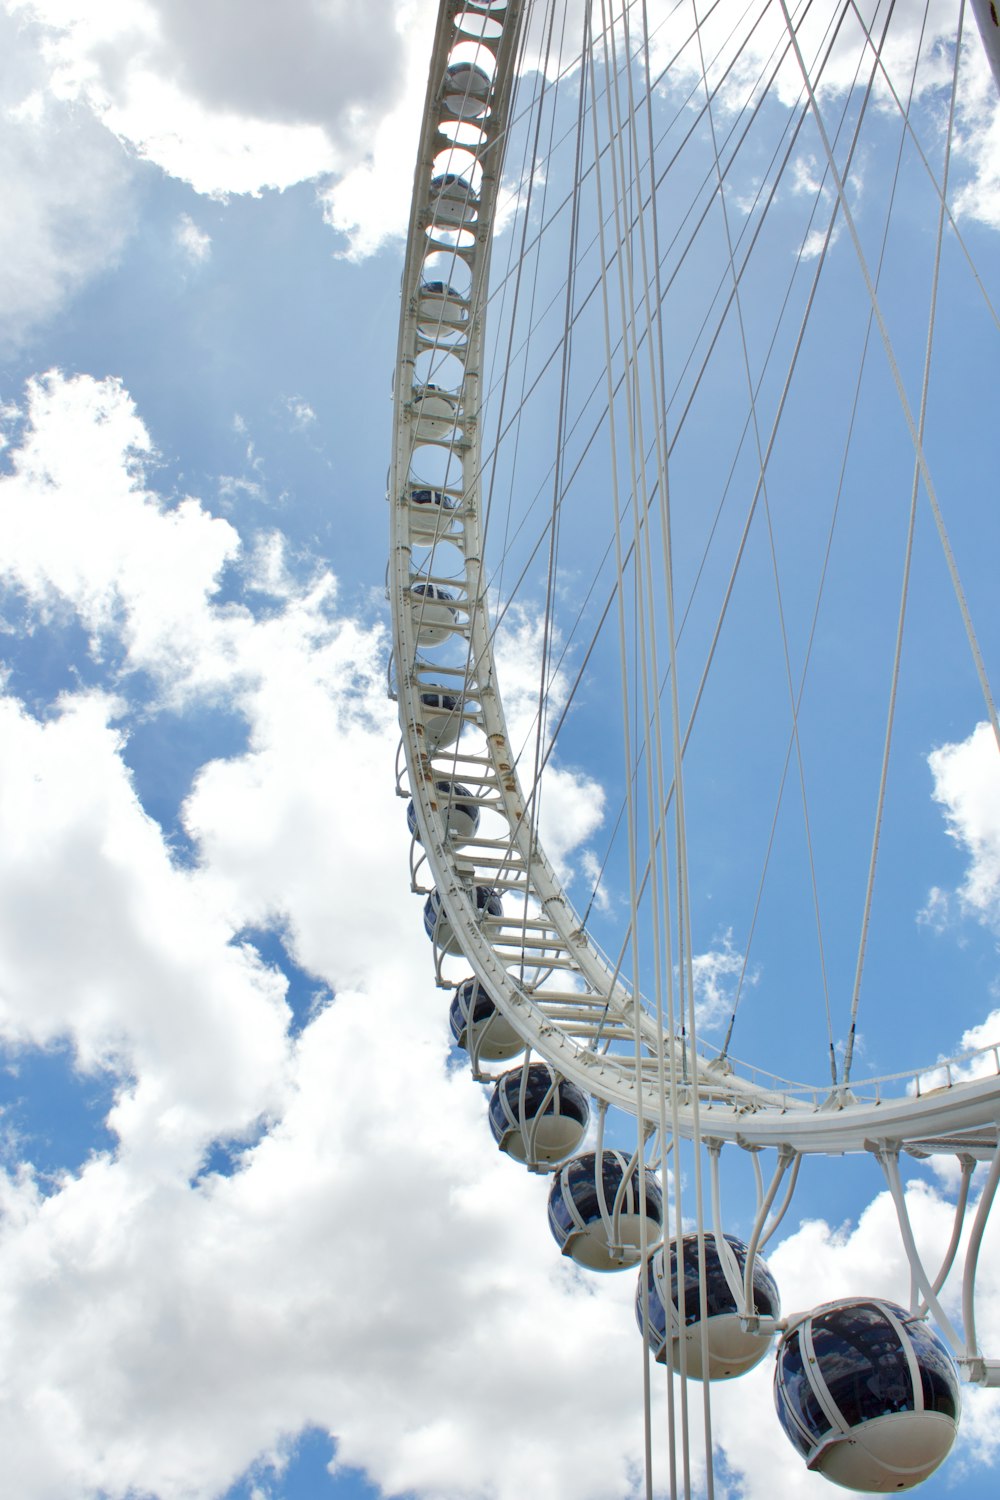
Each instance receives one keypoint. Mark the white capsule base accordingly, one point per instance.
(497, 1040)
(430, 523)
(445, 937)
(556, 1137)
(438, 310)
(436, 418)
(887, 1454)
(589, 1247)
(433, 621)
(732, 1351)
(441, 729)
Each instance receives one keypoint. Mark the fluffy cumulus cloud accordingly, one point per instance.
(67, 206)
(741, 64)
(192, 242)
(371, 1266)
(967, 785)
(720, 978)
(323, 93)
(266, 99)
(570, 805)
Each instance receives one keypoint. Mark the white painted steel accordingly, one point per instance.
(549, 979)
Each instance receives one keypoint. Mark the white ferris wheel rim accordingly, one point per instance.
(549, 978)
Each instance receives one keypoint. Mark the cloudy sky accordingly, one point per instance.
(256, 1241)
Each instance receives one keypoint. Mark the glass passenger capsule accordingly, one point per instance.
(432, 613)
(479, 1027)
(732, 1350)
(453, 201)
(868, 1394)
(430, 514)
(440, 303)
(439, 929)
(466, 91)
(458, 810)
(442, 719)
(582, 1216)
(536, 1116)
(435, 411)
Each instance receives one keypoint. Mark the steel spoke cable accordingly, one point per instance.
(904, 112)
(685, 971)
(690, 726)
(804, 322)
(642, 638)
(762, 92)
(595, 430)
(758, 91)
(509, 359)
(645, 662)
(659, 82)
(862, 363)
(664, 969)
(533, 807)
(745, 533)
(905, 407)
(774, 563)
(904, 590)
(532, 144)
(631, 820)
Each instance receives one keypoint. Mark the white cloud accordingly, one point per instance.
(67, 206)
(263, 100)
(300, 412)
(375, 1267)
(82, 860)
(309, 94)
(571, 803)
(716, 975)
(738, 60)
(77, 476)
(192, 241)
(967, 784)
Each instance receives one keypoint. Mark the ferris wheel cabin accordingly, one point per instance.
(537, 1117)
(432, 613)
(867, 1394)
(732, 1349)
(438, 927)
(594, 1211)
(459, 812)
(479, 1027)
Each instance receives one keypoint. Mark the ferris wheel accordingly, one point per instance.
(671, 512)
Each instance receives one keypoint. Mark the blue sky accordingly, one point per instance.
(255, 1240)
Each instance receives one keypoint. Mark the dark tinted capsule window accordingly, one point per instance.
(801, 1415)
(539, 1083)
(498, 1120)
(937, 1373)
(863, 1363)
(559, 1215)
(719, 1299)
(657, 1311)
(583, 1187)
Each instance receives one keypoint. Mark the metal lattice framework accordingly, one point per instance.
(564, 997)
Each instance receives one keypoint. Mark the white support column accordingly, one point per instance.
(888, 1157)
